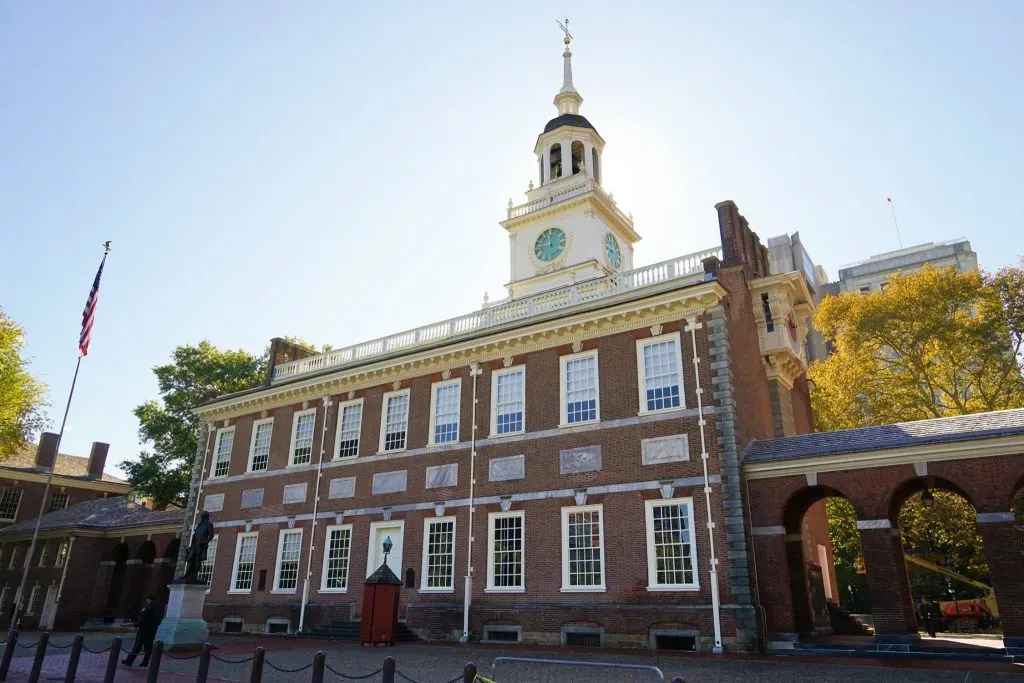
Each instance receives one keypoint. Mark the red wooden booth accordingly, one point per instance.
(380, 606)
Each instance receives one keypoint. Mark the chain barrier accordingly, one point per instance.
(96, 652)
(233, 661)
(27, 647)
(352, 678)
(61, 647)
(413, 680)
(194, 655)
(286, 671)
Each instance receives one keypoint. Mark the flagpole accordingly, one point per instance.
(20, 594)
(892, 207)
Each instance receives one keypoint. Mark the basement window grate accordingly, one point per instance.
(583, 638)
(674, 642)
(233, 626)
(278, 625)
(507, 634)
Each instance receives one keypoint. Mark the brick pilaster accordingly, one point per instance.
(888, 584)
(774, 591)
(1004, 547)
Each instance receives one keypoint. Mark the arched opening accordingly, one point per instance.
(578, 156)
(825, 561)
(119, 556)
(945, 558)
(540, 169)
(555, 161)
(595, 168)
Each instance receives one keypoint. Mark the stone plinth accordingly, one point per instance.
(183, 624)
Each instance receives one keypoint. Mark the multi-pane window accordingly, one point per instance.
(579, 388)
(259, 450)
(222, 451)
(44, 554)
(336, 557)
(58, 501)
(205, 574)
(671, 553)
(509, 400)
(302, 437)
(15, 552)
(33, 600)
(350, 422)
(505, 551)
(62, 553)
(286, 575)
(396, 421)
(659, 366)
(438, 554)
(245, 560)
(582, 548)
(10, 501)
(444, 412)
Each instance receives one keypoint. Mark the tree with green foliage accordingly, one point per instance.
(169, 427)
(22, 401)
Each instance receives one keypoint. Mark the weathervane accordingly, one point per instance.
(565, 30)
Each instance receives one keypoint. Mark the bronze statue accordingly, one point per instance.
(196, 553)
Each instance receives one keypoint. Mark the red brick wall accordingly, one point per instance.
(32, 495)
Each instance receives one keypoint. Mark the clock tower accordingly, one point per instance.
(569, 229)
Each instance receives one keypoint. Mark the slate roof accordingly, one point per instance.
(899, 435)
(101, 514)
(24, 460)
(568, 120)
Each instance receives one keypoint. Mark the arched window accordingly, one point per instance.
(595, 170)
(578, 156)
(555, 161)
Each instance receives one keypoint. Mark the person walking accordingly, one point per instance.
(145, 633)
(928, 615)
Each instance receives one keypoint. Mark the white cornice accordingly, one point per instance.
(115, 532)
(892, 457)
(63, 480)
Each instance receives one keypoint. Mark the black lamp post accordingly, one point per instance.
(927, 500)
(388, 545)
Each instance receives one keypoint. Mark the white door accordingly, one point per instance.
(375, 554)
(49, 609)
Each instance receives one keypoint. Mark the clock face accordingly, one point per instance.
(549, 245)
(611, 247)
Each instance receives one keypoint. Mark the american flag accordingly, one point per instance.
(89, 314)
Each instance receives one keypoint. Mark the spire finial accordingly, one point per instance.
(568, 99)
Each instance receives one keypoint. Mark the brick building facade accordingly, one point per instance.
(562, 464)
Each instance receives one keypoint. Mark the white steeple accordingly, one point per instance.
(568, 99)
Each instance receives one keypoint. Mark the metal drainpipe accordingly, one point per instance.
(715, 602)
(63, 574)
(474, 372)
(316, 504)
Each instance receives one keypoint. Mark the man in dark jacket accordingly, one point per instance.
(145, 633)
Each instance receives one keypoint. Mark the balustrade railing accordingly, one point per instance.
(502, 313)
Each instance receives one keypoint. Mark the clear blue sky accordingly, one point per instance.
(337, 170)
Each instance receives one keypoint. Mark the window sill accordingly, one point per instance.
(583, 423)
(392, 452)
(256, 471)
(437, 590)
(584, 589)
(506, 434)
(333, 591)
(673, 589)
(504, 590)
(284, 591)
(345, 457)
(235, 591)
(299, 464)
(663, 411)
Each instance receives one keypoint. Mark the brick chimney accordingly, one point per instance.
(740, 245)
(97, 459)
(46, 453)
(281, 352)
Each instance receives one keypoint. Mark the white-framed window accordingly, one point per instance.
(58, 501)
(205, 574)
(394, 426)
(245, 562)
(444, 411)
(580, 397)
(44, 554)
(222, 451)
(63, 548)
(438, 555)
(505, 552)
(350, 423)
(671, 546)
(337, 553)
(301, 450)
(259, 446)
(10, 501)
(33, 600)
(286, 573)
(508, 401)
(583, 548)
(659, 366)
(15, 552)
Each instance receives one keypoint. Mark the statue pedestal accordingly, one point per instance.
(183, 624)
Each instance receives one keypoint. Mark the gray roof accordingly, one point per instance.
(568, 120)
(99, 514)
(24, 460)
(899, 435)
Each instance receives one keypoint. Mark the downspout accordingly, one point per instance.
(474, 372)
(63, 575)
(716, 606)
(316, 504)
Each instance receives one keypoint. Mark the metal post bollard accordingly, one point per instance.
(76, 652)
(319, 659)
(153, 673)
(5, 664)
(257, 665)
(204, 663)
(388, 675)
(470, 675)
(37, 663)
(115, 654)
